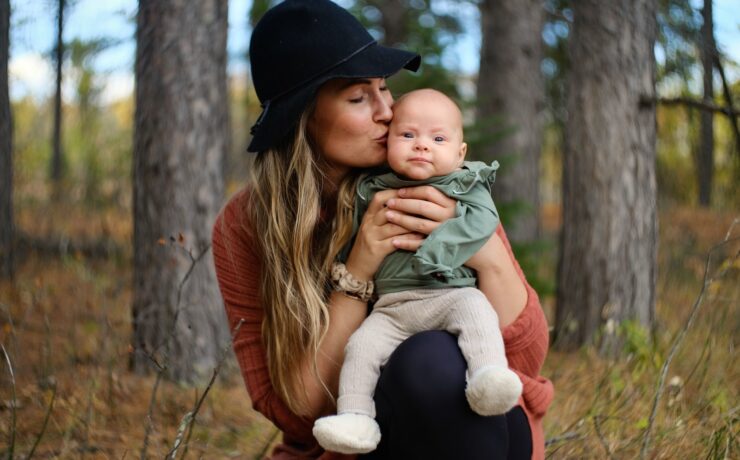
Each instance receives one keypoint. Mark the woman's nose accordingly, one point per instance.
(382, 112)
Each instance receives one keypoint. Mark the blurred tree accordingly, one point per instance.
(607, 262)
(555, 65)
(510, 86)
(705, 157)
(6, 150)
(422, 26)
(57, 156)
(88, 91)
(180, 139)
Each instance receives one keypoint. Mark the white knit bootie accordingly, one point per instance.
(347, 433)
(493, 390)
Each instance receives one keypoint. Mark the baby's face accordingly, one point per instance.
(425, 136)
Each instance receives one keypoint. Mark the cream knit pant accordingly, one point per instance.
(464, 312)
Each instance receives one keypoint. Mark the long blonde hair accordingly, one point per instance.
(297, 248)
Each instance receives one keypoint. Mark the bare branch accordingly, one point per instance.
(11, 442)
(189, 419)
(46, 421)
(728, 96)
(569, 436)
(149, 422)
(679, 338)
(597, 427)
(687, 101)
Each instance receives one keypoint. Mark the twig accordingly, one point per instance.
(696, 103)
(568, 436)
(682, 334)
(149, 414)
(728, 95)
(13, 335)
(188, 419)
(597, 427)
(263, 453)
(190, 433)
(43, 426)
(193, 262)
(173, 330)
(11, 443)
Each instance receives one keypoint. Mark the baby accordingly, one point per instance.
(429, 289)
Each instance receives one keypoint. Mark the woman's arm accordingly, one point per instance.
(499, 279)
(372, 243)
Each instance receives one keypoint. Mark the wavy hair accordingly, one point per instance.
(297, 248)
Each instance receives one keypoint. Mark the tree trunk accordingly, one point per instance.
(394, 20)
(607, 266)
(510, 86)
(180, 140)
(705, 157)
(6, 149)
(56, 142)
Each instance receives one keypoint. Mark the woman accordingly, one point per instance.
(326, 109)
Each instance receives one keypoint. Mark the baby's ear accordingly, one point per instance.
(463, 151)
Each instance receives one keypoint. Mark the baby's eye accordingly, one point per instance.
(407, 135)
(439, 139)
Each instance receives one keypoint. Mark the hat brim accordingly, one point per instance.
(282, 114)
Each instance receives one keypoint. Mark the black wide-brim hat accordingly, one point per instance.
(296, 47)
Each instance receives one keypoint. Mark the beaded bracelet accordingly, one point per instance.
(344, 282)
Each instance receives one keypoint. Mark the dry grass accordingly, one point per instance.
(65, 324)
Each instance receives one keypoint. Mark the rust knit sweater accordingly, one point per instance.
(238, 266)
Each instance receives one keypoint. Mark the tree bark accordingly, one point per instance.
(180, 140)
(705, 157)
(607, 266)
(6, 150)
(394, 20)
(57, 159)
(510, 86)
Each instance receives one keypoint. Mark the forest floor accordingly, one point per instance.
(65, 322)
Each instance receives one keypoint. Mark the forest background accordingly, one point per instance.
(66, 389)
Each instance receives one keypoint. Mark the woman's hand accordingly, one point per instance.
(375, 237)
(419, 210)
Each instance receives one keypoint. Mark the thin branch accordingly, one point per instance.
(263, 453)
(646, 101)
(682, 334)
(43, 426)
(189, 419)
(597, 427)
(173, 330)
(11, 443)
(193, 262)
(569, 436)
(190, 433)
(149, 415)
(728, 95)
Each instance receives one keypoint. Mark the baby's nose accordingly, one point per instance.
(421, 145)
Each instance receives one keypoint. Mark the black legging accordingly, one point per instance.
(423, 414)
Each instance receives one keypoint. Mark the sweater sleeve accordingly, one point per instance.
(526, 342)
(237, 270)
